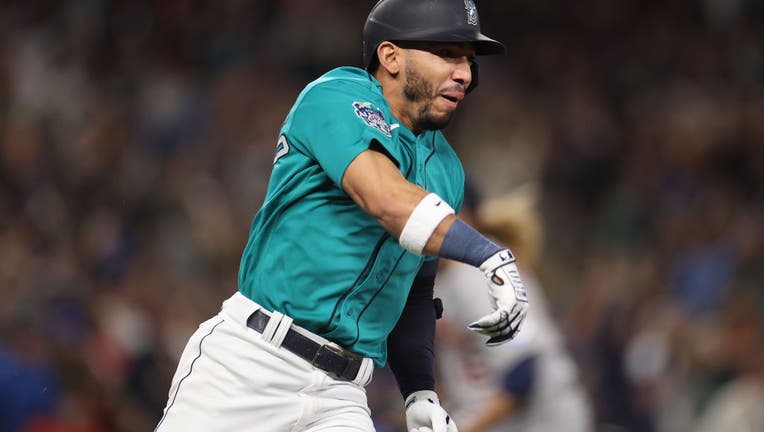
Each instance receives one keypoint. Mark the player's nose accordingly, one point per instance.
(462, 72)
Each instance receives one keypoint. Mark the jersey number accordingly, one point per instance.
(282, 148)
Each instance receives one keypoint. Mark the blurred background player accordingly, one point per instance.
(531, 384)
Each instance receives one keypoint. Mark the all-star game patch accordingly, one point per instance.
(372, 116)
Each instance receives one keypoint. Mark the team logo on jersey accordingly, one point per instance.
(372, 116)
(472, 16)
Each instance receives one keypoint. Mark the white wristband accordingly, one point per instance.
(422, 222)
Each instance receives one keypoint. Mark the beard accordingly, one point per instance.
(418, 90)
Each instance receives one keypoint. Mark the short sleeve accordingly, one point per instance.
(337, 120)
(518, 381)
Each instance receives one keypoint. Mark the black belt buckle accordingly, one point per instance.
(327, 347)
(337, 362)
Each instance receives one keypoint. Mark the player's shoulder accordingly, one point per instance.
(344, 91)
(346, 81)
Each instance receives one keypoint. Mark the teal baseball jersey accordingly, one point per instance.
(313, 254)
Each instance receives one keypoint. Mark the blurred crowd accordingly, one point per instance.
(137, 136)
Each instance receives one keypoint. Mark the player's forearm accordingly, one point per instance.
(422, 222)
(376, 185)
(432, 248)
(393, 211)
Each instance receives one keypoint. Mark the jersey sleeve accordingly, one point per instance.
(335, 121)
(519, 379)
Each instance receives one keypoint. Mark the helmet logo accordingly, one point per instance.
(472, 17)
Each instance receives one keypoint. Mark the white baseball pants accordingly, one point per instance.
(232, 378)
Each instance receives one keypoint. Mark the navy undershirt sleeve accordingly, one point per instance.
(464, 244)
(519, 380)
(410, 345)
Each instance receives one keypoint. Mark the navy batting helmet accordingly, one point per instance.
(427, 21)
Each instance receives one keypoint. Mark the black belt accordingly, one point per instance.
(335, 361)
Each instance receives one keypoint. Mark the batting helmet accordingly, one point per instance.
(428, 21)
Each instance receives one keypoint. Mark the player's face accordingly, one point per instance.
(436, 79)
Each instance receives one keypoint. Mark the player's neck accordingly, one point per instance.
(400, 106)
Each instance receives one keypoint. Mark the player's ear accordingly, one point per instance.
(390, 57)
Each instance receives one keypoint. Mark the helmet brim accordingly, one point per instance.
(487, 46)
(483, 44)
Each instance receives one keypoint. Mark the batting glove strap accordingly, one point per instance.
(424, 413)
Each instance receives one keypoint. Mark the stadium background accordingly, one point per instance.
(136, 139)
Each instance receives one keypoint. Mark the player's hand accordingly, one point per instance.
(508, 296)
(424, 413)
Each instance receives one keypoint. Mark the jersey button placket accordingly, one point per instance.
(421, 155)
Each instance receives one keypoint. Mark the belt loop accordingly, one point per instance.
(281, 331)
(364, 372)
(276, 329)
(273, 324)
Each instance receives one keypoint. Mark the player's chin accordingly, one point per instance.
(443, 118)
(434, 120)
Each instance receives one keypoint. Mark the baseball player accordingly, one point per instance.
(337, 276)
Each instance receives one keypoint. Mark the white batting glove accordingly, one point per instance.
(424, 413)
(508, 296)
